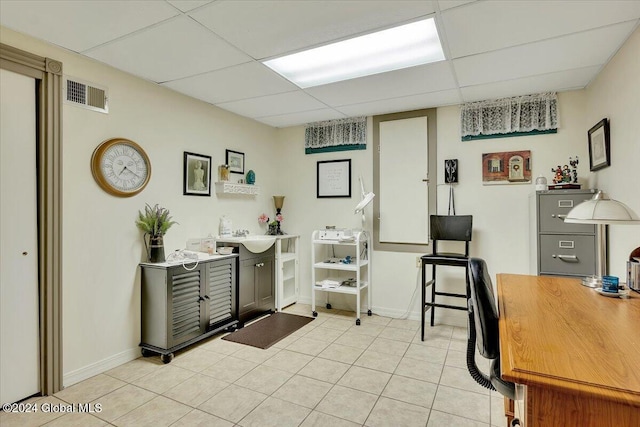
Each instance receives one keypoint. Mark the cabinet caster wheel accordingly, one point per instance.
(369, 313)
(328, 306)
(146, 353)
(358, 322)
(315, 314)
(166, 358)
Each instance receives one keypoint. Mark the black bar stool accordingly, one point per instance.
(452, 228)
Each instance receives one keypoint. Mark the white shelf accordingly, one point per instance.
(360, 254)
(287, 270)
(338, 266)
(287, 256)
(235, 188)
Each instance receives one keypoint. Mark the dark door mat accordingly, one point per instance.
(266, 332)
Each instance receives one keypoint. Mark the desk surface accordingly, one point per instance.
(557, 334)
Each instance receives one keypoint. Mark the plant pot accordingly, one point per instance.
(155, 251)
(273, 230)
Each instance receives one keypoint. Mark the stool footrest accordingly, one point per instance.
(454, 307)
(449, 294)
(430, 282)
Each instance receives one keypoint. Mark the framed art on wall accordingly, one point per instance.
(334, 178)
(197, 174)
(599, 148)
(235, 160)
(506, 167)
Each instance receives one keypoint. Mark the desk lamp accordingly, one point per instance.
(601, 211)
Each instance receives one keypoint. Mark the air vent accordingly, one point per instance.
(86, 95)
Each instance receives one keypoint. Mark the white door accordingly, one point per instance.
(19, 325)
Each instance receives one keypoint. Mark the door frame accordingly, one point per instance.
(48, 75)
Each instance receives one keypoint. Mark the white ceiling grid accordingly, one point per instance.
(211, 50)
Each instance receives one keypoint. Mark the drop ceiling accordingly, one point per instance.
(212, 50)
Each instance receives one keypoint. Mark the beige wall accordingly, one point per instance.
(615, 94)
(101, 245)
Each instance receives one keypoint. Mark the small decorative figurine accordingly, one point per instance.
(574, 169)
(557, 178)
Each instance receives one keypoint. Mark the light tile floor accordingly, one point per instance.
(328, 373)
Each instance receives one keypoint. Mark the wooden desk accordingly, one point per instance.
(577, 352)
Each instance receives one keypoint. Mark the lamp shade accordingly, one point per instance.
(602, 210)
(278, 201)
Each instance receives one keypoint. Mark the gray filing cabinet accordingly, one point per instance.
(559, 248)
(182, 305)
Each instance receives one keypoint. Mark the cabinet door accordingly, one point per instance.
(185, 308)
(221, 291)
(265, 283)
(247, 297)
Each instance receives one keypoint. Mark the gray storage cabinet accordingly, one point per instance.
(182, 306)
(559, 248)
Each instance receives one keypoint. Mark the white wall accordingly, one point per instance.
(501, 212)
(101, 245)
(615, 94)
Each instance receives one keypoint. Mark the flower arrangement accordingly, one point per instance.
(155, 220)
(274, 225)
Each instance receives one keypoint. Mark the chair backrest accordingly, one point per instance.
(451, 227)
(485, 311)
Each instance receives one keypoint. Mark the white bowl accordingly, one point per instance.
(225, 250)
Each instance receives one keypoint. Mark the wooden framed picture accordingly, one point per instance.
(334, 178)
(235, 160)
(599, 148)
(197, 174)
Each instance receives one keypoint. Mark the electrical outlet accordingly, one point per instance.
(418, 262)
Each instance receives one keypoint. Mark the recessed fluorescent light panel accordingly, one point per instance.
(393, 49)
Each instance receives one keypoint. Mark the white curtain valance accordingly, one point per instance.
(527, 113)
(336, 135)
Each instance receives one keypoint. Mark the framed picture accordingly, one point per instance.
(599, 149)
(506, 167)
(235, 160)
(197, 174)
(334, 178)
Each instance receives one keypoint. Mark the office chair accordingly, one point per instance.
(445, 228)
(483, 331)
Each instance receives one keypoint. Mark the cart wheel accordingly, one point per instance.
(358, 322)
(166, 358)
(146, 353)
(328, 306)
(368, 312)
(315, 314)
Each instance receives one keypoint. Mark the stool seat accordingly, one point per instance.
(451, 228)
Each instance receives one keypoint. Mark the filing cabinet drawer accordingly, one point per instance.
(553, 209)
(567, 254)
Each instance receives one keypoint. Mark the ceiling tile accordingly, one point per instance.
(171, 50)
(80, 25)
(187, 5)
(406, 103)
(248, 80)
(488, 25)
(294, 119)
(552, 82)
(574, 51)
(265, 29)
(273, 105)
(449, 4)
(409, 81)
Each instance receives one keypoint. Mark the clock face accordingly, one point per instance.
(121, 167)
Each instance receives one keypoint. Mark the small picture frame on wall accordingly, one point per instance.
(197, 174)
(334, 178)
(235, 160)
(599, 146)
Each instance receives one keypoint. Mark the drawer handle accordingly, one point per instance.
(260, 264)
(571, 258)
(559, 216)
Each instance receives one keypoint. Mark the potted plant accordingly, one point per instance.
(154, 222)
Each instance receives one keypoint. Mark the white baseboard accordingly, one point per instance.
(451, 319)
(99, 367)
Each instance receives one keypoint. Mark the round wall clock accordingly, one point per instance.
(121, 167)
